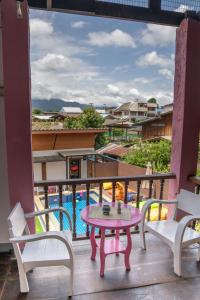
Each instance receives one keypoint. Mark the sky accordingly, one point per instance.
(99, 60)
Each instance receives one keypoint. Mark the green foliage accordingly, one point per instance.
(71, 122)
(36, 111)
(118, 132)
(101, 140)
(90, 118)
(158, 153)
(152, 100)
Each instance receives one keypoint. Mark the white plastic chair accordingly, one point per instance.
(52, 248)
(177, 235)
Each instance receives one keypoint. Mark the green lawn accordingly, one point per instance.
(38, 227)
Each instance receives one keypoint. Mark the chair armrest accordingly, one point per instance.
(182, 226)
(148, 204)
(42, 236)
(49, 210)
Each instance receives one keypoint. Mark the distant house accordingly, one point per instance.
(167, 107)
(116, 151)
(157, 127)
(70, 111)
(64, 153)
(136, 110)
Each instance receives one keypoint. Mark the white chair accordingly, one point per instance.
(177, 235)
(52, 248)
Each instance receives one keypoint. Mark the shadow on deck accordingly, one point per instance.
(151, 276)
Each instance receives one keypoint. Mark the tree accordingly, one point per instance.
(158, 153)
(90, 118)
(36, 111)
(152, 100)
(71, 122)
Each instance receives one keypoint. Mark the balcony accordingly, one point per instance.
(151, 276)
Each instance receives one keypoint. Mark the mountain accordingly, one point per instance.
(54, 104)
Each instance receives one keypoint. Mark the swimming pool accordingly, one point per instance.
(67, 203)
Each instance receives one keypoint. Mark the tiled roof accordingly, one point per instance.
(113, 149)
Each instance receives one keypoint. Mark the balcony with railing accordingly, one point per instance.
(76, 194)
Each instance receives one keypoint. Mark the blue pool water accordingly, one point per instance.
(67, 203)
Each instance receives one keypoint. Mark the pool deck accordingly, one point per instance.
(151, 276)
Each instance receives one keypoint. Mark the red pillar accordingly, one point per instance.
(17, 98)
(186, 114)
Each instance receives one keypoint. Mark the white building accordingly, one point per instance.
(71, 111)
(136, 110)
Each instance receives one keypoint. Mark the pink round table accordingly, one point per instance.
(114, 245)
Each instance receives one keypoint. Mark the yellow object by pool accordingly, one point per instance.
(154, 213)
(107, 185)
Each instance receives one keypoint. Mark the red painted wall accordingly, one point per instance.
(16, 64)
(186, 114)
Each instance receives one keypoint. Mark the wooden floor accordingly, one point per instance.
(151, 276)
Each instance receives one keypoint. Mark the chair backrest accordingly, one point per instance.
(189, 202)
(16, 221)
(17, 226)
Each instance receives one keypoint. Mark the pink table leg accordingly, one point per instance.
(128, 249)
(102, 253)
(93, 243)
(117, 238)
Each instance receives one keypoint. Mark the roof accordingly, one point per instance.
(42, 117)
(53, 155)
(70, 131)
(149, 120)
(113, 149)
(74, 110)
(46, 156)
(77, 153)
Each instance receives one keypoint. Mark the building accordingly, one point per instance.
(63, 154)
(160, 126)
(70, 111)
(136, 110)
(167, 107)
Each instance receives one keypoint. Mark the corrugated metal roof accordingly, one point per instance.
(73, 110)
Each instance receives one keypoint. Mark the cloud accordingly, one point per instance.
(166, 73)
(117, 38)
(158, 35)
(123, 90)
(61, 68)
(39, 27)
(183, 8)
(78, 24)
(154, 59)
(44, 38)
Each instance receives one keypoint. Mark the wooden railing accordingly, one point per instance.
(89, 185)
(196, 181)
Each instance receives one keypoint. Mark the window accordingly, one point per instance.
(75, 168)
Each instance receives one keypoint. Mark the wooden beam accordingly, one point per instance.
(153, 14)
(155, 5)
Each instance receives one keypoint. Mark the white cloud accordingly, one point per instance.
(184, 8)
(61, 69)
(154, 59)
(117, 38)
(78, 24)
(158, 35)
(113, 89)
(39, 27)
(166, 73)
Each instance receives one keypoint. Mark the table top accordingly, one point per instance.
(136, 217)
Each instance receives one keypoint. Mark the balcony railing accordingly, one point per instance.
(196, 181)
(73, 186)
